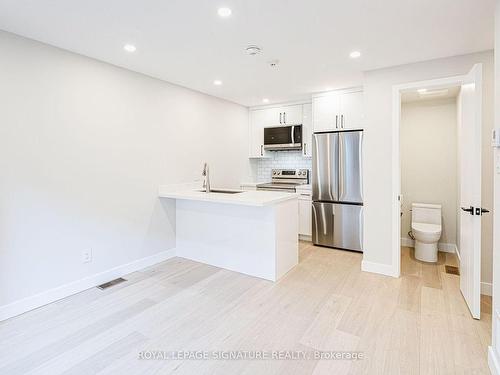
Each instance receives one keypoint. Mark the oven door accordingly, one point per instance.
(283, 138)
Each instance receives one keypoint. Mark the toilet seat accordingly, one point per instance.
(425, 228)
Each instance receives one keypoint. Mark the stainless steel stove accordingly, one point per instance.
(286, 180)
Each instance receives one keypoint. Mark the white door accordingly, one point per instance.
(291, 115)
(256, 144)
(307, 130)
(351, 110)
(305, 216)
(470, 104)
(326, 112)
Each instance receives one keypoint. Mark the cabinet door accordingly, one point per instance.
(351, 110)
(256, 133)
(291, 115)
(307, 130)
(325, 113)
(305, 216)
(272, 117)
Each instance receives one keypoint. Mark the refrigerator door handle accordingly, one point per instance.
(340, 162)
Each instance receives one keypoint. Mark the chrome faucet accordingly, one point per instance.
(206, 179)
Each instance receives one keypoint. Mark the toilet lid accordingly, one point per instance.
(426, 228)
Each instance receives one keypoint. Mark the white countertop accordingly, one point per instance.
(245, 198)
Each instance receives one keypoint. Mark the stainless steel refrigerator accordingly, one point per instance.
(337, 190)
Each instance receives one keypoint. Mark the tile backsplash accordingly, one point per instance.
(281, 160)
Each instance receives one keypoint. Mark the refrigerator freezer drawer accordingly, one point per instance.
(322, 225)
(338, 225)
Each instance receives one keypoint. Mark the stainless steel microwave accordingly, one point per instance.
(283, 138)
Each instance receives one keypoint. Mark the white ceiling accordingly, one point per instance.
(187, 43)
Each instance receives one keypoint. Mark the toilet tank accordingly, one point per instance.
(426, 213)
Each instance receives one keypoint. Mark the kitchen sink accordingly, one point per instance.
(222, 191)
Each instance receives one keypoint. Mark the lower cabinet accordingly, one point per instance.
(305, 217)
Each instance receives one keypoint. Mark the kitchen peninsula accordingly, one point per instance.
(252, 232)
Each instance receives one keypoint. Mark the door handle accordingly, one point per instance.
(480, 211)
(280, 117)
(305, 148)
(469, 210)
(284, 117)
(261, 150)
(336, 121)
(342, 121)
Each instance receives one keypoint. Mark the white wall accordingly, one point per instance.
(378, 155)
(83, 148)
(429, 128)
(494, 350)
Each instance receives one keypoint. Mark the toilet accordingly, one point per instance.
(426, 228)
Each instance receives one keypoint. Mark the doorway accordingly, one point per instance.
(460, 217)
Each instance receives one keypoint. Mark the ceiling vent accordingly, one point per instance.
(253, 50)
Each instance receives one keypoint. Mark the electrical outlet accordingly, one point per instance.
(87, 256)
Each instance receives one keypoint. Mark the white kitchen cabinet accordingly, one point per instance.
(291, 115)
(305, 216)
(351, 110)
(256, 133)
(326, 112)
(338, 110)
(307, 130)
(286, 115)
(277, 116)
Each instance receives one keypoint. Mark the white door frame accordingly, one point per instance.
(397, 90)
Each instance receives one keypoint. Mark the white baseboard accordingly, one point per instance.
(486, 288)
(442, 246)
(383, 269)
(52, 295)
(305, 237)
(493, 361)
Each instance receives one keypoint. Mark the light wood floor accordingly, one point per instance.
(417, 324)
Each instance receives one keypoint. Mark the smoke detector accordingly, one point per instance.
(253, 50)
(273, 63)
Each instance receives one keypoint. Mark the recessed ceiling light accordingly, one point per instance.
(354, 54)
(217, 82)
(129, 48)
(422, 91)
(253, 50)
(224, 12)
(265, 100)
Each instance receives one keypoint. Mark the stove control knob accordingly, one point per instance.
(274, 172)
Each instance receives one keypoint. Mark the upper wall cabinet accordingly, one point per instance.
(278, 116)
(258, 119)
(307, 130)
(286, 115)
(338, 110)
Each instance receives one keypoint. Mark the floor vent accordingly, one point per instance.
(109, 284)
(452, 269)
